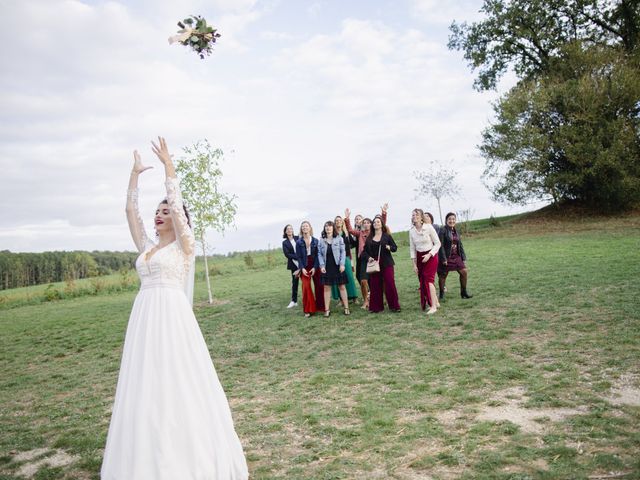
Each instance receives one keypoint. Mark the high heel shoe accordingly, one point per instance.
(327, 313)
(347, 312)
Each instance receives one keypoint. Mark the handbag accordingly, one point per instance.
(373, 265)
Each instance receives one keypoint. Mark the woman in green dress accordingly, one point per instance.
(349, 241)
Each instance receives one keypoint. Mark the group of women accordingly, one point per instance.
(326, 265)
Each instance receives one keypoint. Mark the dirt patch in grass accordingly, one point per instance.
(454, 418)
(30, 455)
(40, 457)
(625, 391)
(410, 416)
(530, 420)
(533, 465)
(510, 408)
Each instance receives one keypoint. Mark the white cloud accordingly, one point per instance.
(443, 13)
(335, 120)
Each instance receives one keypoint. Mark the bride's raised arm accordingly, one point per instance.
(184, 234)
(136, 225)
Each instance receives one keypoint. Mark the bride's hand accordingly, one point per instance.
(162, 151)
(138, 167)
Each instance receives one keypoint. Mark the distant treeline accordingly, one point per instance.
(25, 269)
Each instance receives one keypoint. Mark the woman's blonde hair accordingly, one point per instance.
(310, 227)
(420, 212)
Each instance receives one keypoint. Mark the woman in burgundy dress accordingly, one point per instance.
(452, 256)
(424, 245)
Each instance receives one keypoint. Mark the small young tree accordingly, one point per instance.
(199, 172)
(437, 182)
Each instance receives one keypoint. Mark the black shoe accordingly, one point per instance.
(441, 296)
(464, 294)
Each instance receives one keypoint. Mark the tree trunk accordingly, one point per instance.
(440, 211)
(206, 270)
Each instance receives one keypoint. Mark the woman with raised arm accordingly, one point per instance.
(349, 240)
(424, 245)
(361, 232)
(380, 245)
(170, 416)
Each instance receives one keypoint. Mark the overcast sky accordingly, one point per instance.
(318, 105)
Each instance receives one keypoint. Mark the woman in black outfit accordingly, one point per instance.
(289, 250)
(379, 245)
(451, 256)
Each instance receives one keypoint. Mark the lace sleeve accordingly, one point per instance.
(136, 225)
(184, 234)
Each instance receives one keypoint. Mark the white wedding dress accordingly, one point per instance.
(171, 419)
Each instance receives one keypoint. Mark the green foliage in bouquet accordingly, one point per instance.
(196, 34)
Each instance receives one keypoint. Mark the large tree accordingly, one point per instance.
(570, 128)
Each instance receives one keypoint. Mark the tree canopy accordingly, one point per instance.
(570, 128)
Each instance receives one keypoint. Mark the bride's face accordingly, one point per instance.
(162, 220)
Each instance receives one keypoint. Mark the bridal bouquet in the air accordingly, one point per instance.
(196, 34)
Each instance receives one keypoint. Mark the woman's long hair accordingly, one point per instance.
(372, 232)
(343, 229)
(324, 229)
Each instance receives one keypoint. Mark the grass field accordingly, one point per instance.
(536, 377)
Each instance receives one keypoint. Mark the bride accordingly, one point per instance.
(170, 419)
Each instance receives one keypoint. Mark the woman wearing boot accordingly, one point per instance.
(451, 256)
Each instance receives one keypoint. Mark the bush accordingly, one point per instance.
(126, 279)
(97, 285)
(51, 293)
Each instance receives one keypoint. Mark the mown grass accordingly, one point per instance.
(555, 313)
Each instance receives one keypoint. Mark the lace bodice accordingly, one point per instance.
(173, 264)
(168, 266)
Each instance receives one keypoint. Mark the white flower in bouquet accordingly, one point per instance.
(196, 34)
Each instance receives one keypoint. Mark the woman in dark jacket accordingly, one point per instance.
(451, 256)
(379, 246)
(289, 250)
(307, 251)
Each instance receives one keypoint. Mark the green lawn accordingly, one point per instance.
(536, 377)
